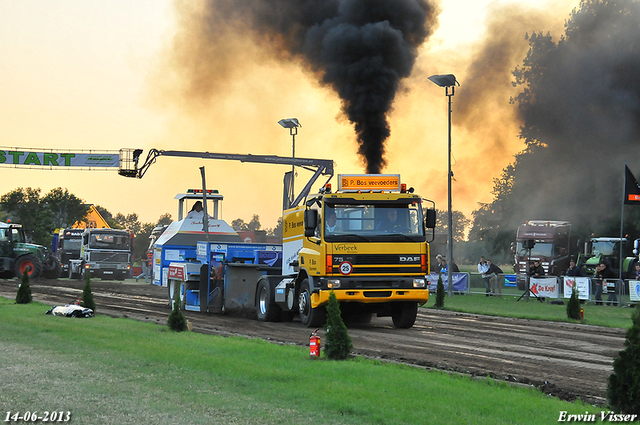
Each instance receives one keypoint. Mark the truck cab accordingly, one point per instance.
(105, 253)
(366, 242)
(546, 241)
(69, 247)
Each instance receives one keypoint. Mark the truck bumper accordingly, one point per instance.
(371, 296)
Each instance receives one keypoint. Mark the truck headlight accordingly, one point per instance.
(333, 283)
(418, 283)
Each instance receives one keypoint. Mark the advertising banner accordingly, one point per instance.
(26, 158)
(634, 290)
(544, 287)
(582, 283)
(460, 281)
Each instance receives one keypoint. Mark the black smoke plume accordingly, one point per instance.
(360, 48)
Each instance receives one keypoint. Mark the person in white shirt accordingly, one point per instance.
(483, 268)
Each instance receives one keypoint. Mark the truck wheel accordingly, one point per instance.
(53, 267)
(266, 307)
(404, 315)
(310, 317)
(28, 264)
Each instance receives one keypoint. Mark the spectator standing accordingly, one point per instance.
(574, 270)
(439, 263)
(536, 270)
(493, 272)
(483, 268)
(454, 267)
(600, 278)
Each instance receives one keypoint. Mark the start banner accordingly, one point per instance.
(544, 287)
(52, 159)
(581, 283)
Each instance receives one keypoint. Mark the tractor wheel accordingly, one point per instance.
(404, 314)
(28, 264)
(52, 267)
(310, 317)
(267, 309)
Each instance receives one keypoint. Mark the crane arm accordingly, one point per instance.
(129, 163)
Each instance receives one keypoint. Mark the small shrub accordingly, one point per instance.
(24, 291)
(339, 342)
(623, 389)
(177, 322)
(439, 293)
(573, 306)
(87, 295)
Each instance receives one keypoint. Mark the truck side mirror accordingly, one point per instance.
(310, 222)
(430, 219)
(512, 248)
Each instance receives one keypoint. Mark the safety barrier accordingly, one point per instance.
(614, 292)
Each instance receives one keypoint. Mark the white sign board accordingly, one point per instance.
(634, 290)
(544, 287)
(582, 283)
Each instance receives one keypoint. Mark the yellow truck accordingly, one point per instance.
(366, 242)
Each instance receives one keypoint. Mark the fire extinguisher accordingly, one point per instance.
(314, 344)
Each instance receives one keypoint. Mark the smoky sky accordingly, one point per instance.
(362, 49)
(580, 113)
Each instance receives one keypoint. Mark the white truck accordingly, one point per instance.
(105, 253)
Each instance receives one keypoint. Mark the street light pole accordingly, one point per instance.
(292, 124)
(449, 82)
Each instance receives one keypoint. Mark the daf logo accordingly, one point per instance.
(408, 259)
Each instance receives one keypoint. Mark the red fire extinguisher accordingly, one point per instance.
(314, 344)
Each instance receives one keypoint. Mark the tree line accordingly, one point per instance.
(58, 209)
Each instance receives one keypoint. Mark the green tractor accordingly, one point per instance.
(18, 257)
(607, 250)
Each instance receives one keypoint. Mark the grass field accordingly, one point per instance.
(119, 371)
(509, 306)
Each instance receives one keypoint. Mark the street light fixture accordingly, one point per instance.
(448, 81)
(292, 124)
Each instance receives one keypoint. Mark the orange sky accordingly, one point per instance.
(96, 75)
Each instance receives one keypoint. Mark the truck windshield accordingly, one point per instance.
(541, 249)
(605, 248)
(373, 222)
(74, 244)
(109, 241)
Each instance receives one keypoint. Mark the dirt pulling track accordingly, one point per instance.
(565, 360)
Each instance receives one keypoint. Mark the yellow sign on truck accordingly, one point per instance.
(366, 242)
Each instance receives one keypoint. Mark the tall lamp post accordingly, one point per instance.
(448, 81)
(292, 124)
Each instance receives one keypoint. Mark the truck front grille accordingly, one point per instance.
(109, 257)
(379, 264)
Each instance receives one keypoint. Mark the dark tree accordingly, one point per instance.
(339, 342)
(573, 306)
(439, 293)
(23, 206)
(41, 216)
(66, 208)
(24, 291)
(458, 220)
(87, 294)
(623, 389)
(177, 322)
